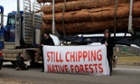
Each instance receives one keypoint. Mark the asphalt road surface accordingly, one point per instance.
(121, 75)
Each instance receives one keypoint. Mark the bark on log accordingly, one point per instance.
(78, 5)
(56, 1)
(95, 27)
(98, 14)
(45, 28)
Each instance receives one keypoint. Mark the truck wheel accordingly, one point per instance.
(32, 64)
(14, 63)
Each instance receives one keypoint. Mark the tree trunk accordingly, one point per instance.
(95, 27)
(97, 14)
(56, 1)
(78, 5)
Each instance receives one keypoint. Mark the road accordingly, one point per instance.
(121, 75)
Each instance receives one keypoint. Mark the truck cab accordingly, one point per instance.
(10, 26)
(21, 33)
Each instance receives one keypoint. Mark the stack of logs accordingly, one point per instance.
(90, 16)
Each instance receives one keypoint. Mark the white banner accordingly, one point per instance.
(76, 59)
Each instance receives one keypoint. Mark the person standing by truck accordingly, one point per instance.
(47, 40)
(109, 42)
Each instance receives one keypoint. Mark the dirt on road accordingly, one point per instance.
(11, 81)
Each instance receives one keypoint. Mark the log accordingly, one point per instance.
(45, 28)
(57, 1)
(78, 5)
(95, 27)
(98, 14)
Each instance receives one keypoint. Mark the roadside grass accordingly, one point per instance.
(129, 60)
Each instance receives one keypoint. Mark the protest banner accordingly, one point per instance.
(76, 59)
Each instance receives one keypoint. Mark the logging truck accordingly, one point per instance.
(21, 33)
(23, 30)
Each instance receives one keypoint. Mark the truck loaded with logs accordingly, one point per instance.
(73, 17)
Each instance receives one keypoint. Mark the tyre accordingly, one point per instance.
(14, 63)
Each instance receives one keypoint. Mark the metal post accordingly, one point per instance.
(37, 21)
(63, 23)
(1, 24)
(130, 17)
(2, 16)
(18, 7)
(53, 17)
(115, 18)
(18, 25)
(2, 20)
